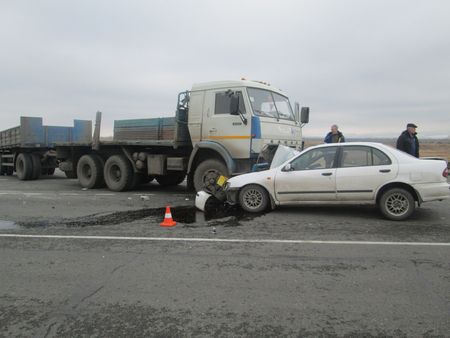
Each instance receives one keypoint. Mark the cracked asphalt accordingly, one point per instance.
(103, 287)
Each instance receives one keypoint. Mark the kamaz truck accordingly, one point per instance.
(219, 128)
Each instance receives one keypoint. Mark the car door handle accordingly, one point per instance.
(327, 174)
(213, 130)
(385, 170)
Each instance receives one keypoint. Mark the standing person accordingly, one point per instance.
(408, 141)
(334, 136)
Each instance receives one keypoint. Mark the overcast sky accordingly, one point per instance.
(369, 66)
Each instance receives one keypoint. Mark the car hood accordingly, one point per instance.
(265, 178)
(282, 155)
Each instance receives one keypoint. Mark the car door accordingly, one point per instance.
(361, 171)
(222, 127)
(310, 177)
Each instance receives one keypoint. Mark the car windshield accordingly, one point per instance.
(270, 104)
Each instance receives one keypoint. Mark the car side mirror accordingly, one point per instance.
(287, 167)
(304, 118)
(234, 104)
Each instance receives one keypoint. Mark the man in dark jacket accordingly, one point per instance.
(334, 136)
(408, 142)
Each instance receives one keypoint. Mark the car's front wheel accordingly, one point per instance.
(253, 198)
(397, 204)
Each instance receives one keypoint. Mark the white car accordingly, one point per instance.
(345, 173)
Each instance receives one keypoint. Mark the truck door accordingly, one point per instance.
(222, 127)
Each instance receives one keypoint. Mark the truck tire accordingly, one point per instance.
(171, 179)
(118, 173)
(207, 173)
(90, 171)
(397, 204)
(24, 166)
(37, 167)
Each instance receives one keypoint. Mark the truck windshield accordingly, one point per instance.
(270, 104)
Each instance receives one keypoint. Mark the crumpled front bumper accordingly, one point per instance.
(232, 195)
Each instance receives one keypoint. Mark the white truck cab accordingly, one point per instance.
(262, 117)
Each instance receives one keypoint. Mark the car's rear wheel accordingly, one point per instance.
(397, 204)
(253, 198)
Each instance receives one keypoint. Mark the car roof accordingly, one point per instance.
(391, 150)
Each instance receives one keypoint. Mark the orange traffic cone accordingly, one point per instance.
(168, 220)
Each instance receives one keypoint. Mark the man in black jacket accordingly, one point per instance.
(334, 136)
(408, 142)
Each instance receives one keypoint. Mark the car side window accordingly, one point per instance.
(356, 157)
(380, 158)
(361, 156)
(222, 104)
(320, 158)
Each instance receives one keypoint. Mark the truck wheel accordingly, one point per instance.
(24, 166)
(171, 179)
(207, 173)
(90, 171)
(397, 204)
(37, 167)
(118, 173)
(253, 198)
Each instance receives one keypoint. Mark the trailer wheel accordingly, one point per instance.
(118, 173)
(24, 166)
(90, 171)
(171, 179)
(207, 173)
(37, 167)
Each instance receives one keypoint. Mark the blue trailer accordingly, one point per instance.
(29, 149)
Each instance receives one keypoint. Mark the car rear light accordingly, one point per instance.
(445, 172)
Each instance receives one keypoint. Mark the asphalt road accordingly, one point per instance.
(111, 270)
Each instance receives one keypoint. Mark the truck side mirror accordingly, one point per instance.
(234, 104)
(304, 117)
(297, 111)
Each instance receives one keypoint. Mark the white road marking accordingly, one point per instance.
(105, 194)
(226, 240)
(69, 194)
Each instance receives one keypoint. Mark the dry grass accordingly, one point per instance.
(428, 148)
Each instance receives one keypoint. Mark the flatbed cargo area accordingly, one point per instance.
(31, 133)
